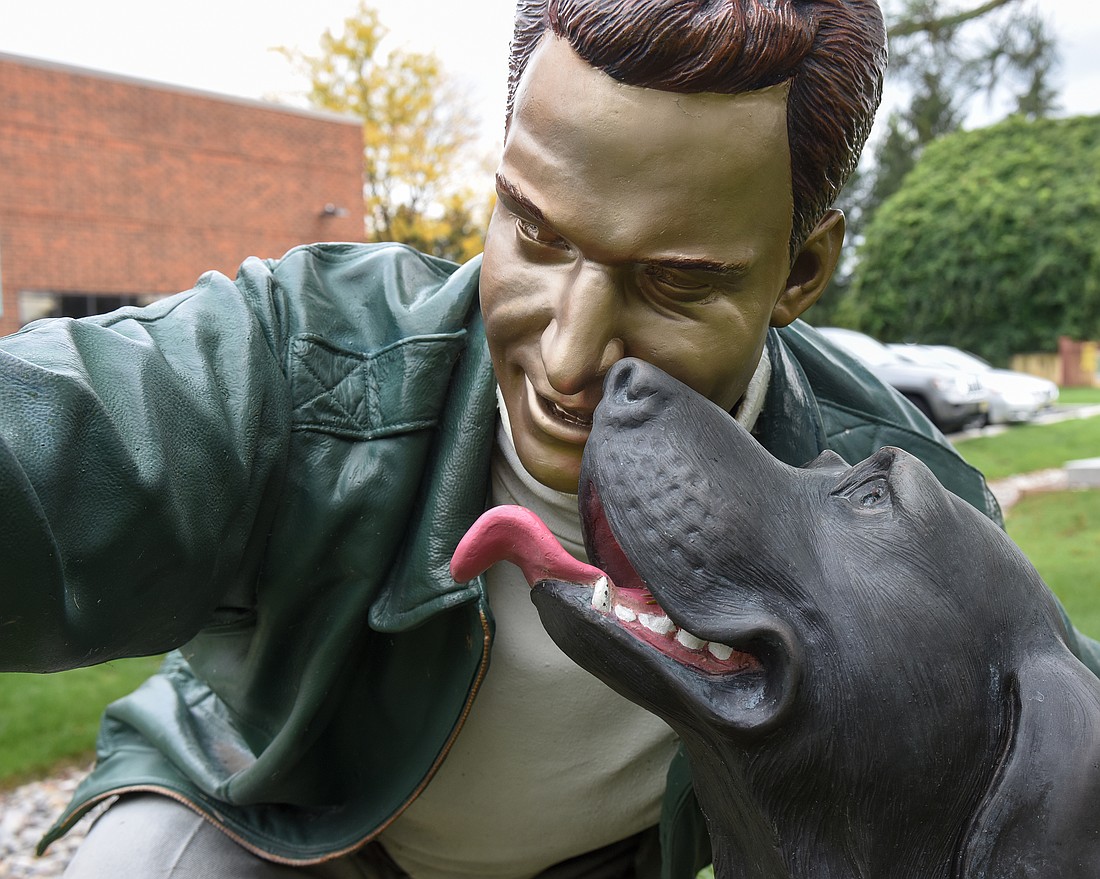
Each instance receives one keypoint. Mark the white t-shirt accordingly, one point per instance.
(551, 762)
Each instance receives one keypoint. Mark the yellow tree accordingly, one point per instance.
(418, 136)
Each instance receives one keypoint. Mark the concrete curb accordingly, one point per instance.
(1009, 490)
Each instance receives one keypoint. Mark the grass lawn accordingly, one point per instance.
(1060, 534)
(1078, 396)
(49, 720)
(1027, 447)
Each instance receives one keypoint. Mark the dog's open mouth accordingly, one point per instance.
(515, 534)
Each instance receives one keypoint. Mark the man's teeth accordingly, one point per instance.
(657, 623)
(571, 417)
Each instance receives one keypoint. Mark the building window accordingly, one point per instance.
(35, 304)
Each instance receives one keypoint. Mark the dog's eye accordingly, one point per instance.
(872, 493)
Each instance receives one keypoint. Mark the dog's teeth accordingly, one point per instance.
(661, 624)
(689, 641)
(601, 596)
(719, 651)
(625, 613)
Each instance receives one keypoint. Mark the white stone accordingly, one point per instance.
(1084, 473)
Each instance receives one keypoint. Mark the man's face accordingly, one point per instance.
(630, 223)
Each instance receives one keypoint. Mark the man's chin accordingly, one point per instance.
(556, 469)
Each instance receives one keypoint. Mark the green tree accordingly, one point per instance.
(991, 244)
(418, 133)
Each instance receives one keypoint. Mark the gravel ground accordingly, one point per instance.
(26, 813)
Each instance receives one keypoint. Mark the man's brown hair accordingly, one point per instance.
(833, 53)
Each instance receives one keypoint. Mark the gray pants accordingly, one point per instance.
(154, 837)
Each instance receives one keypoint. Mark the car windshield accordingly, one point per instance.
(961, 359)
(870, 351)
(939, 356)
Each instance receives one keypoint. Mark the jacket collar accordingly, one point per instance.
(790, 426)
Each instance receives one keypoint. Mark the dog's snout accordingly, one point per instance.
(631, 381)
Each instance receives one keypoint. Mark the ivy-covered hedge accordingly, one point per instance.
(992, 244)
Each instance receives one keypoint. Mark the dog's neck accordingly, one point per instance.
(783, 838)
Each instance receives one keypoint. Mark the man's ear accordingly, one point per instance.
(812, 269)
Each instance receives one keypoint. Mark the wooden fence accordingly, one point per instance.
(1076, 365)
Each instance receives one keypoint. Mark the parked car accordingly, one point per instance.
(1013, 396)
(951, 398)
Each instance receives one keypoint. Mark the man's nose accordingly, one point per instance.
(583, 340)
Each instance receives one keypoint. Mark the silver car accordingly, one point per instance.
(1013, 396)
(951, 398)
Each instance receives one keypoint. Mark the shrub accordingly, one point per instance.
(992, 244)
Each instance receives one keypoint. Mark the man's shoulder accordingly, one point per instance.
(381, 274)
(374, 254)
(364, 297)
(860, 413)
(840, 382)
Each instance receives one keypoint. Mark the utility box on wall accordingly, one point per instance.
(116, 191)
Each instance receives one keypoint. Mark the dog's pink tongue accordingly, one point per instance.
(515, 534)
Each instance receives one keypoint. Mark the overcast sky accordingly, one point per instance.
(225, 45)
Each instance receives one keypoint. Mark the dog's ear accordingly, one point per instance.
(1039, 817)
(829, 462)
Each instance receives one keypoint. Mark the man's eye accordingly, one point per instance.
(532, 231)
(676, 284)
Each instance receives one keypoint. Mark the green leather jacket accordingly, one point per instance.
(267, 477)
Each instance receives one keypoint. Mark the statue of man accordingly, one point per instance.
(266, 477)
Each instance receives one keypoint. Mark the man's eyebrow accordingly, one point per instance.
(690, 264)
(510, 195)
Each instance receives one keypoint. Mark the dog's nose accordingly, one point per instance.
(630, 381)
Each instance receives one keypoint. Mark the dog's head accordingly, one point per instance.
(835, 642)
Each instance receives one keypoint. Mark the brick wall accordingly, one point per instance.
(114, 186)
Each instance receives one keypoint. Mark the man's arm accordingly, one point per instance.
(135, 452)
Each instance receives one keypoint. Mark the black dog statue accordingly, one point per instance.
(869, 678)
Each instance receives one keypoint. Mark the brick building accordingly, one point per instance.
(116, 191)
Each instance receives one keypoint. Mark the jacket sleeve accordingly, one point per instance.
(136, 451)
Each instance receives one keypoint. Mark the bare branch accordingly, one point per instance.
(907, 27)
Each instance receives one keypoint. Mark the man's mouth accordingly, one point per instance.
(566, 415)
(572, 424)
